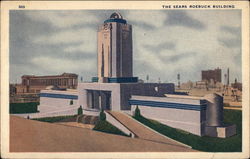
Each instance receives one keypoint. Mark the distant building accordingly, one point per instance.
(34, 84)
(208, 75)
(12, 89)
(201, 84)
(237, 85)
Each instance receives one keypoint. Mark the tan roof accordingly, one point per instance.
(183, 96)
(52, 76)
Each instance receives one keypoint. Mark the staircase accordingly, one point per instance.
(87, 119)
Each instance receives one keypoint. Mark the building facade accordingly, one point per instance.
(237, 85)
(34, 84)
(115, 52)
(197, 115)
(115, 96)
(115, 83)
(191, 111)
(208, 75)
(115, 89)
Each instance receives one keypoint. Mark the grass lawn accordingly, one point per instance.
(102, 126)
(105, 126)
(208, 144)
(54, 119)
(21, 108)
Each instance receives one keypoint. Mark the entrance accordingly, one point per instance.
(105, 100)
(99, 99)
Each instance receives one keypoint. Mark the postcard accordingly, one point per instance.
(123, 79)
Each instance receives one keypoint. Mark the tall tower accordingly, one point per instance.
(115, 52)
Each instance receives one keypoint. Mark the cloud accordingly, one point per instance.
(87, 47)
(181, 18)
(233, 30)
(187, 51)
(151, 19)
(142, 25)
(165, 42)
(59, 64)
(65, 36)
(150, 59)
(160, 47)
(167, 67)
(230, 37)
(230, 43)
(70, 40)
(174, 58)
(63, 19)
(80, 55)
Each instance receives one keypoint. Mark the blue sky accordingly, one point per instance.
(165, 42)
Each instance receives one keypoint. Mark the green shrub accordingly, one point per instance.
(53, 119)
(79, 110)
(137, 112)
(205, 143)
(71, 102)
(102, 115)
(21, 108)
(105, 126)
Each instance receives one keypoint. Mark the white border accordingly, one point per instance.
(148, 5)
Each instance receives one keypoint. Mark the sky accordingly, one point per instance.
(165, 43)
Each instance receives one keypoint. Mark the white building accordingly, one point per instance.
(116, 89)
(115, 53)
(197, 115)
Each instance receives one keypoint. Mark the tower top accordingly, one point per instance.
(116, 17)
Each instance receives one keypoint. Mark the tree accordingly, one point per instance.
(79, 111)
(71, 102)
(102, 115)
(137, 112)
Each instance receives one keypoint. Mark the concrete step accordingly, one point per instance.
(87, 119)
(79, 118)
(94, 120)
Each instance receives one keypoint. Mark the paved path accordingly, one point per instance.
(143, 132)
(76, 124)
(34, 136)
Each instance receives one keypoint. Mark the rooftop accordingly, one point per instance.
(116, 17)
(62, 75)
